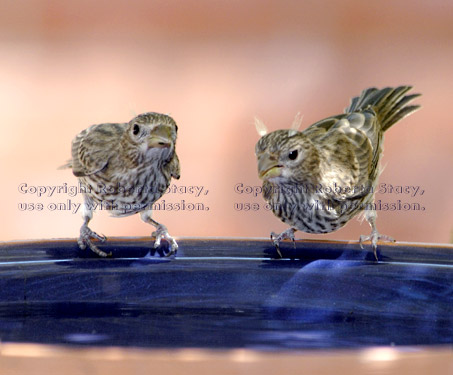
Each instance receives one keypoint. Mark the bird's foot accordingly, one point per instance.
(86, 234)
(286, 235)
(374, 237)
(160, 233)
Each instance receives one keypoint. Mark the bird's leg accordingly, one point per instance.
(86, 234)
(374, 237)
(160, 233)
(287, 234)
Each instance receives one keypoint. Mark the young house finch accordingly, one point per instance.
(125, 168)
(318, 179)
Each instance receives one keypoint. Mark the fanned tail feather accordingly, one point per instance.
(390, 104)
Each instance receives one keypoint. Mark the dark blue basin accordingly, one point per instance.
(226, 294)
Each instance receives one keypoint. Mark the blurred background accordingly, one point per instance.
(214, 65)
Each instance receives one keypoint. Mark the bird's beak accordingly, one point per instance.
(160, 137)
(268, 166)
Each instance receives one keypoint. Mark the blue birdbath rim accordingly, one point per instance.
(226, 294)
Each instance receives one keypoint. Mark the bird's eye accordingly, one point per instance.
(136, 129)
(293, 155)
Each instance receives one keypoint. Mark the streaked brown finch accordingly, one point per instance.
(318, 179)
(125, 168)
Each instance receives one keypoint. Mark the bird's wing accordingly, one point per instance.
(320, 128)
(351, 145)
(93, 148)
(174, 167)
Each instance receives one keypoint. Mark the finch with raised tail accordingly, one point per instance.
(318, 179)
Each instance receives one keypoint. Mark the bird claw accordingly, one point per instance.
(162, 233)
(374, 237)
(86, 234)
(287, 234)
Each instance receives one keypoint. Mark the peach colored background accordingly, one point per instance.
(214, 65)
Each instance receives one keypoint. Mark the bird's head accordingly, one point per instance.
(286, 156)
(153, 135)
